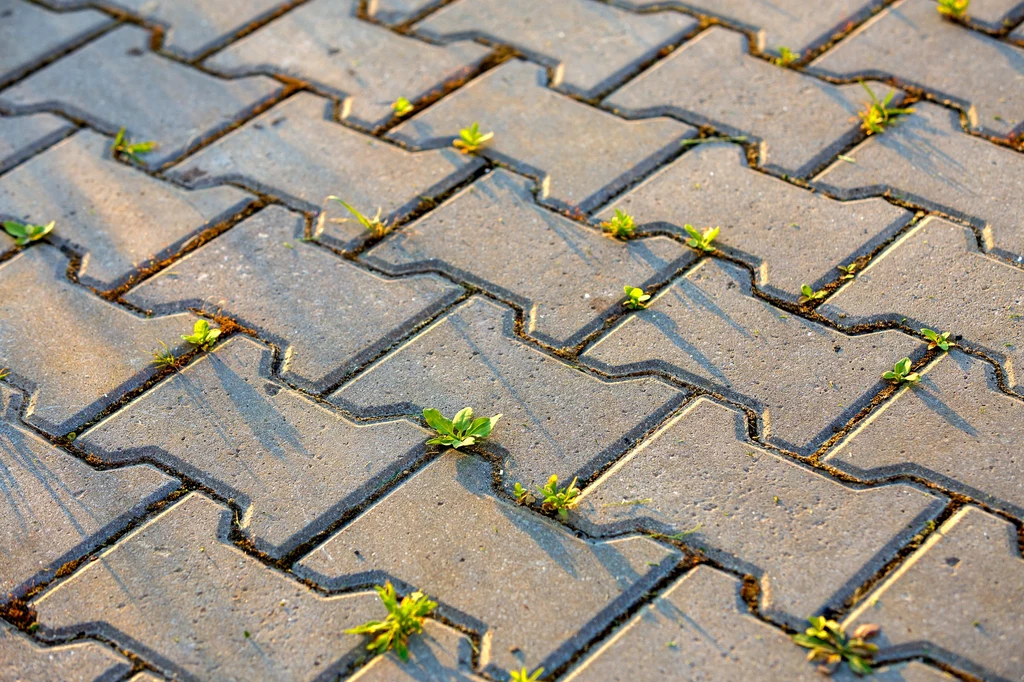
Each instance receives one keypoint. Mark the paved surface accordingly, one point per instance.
(744, 465)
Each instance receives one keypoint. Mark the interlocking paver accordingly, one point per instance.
(911, 42)
(323, 42)
(30, 33)
(23, 136)
(23, 659)
(557, 420)
(956, 428)
(581, 154)
(441, 654)
(326, 314)
(935, 276)
(991, 13)
(121, 219)
(179, 591)
(100, 352)
(292, 465)
(538, 591)
(927, 159)
(756, 512)
(957, 599)
(707, 328)
(116, 81)
(576, 274)
(789, 235)
(590, 46)
(800, 121)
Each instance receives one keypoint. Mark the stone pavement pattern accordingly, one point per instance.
(223, 513)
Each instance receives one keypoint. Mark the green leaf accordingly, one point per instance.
(437, 421)
(462, 420)
(712, 234)
(858, 665)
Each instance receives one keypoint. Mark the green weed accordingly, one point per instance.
(471, 140)
(637, 299)
(956, 9)
(401, 107)
(786, 56)
(621, 225)
(202, 335)
(405, 618)
(702, 241)
(463, 430)
(24, 233)
(849, 271)
(901, 373)
(877, 114)
(830, 645)
(522, 676)
(936, 340)
(558, 499)
(375, 225)
(807, 294)
(523, 495)
(132, 150)
(164, 358)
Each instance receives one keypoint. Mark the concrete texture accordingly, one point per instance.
(23, 136)
(23, 659)
(30, 33)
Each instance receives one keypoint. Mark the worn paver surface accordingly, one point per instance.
(389, 206)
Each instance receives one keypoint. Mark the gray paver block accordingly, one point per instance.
(178, 592)
(54, 507)
(323, 42)
(397, 11)
(116, 81)
(581, 154)
(440, 654)
(327, 315)
(445, 532)
(100, 353)
(123, 219)
(557, 420)
(575, 275)
(935, 277)
(801, 122)
(21, 659)
(756, 512)
(292, 465)
(789, 235)
(591, 46)
(990, 13)
(23, 136)
(927, 159)
(30, 33)
(913, 43)
(956, 428)
(803, 378)
(956, 599)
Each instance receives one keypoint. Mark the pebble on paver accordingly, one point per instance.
(581, 155)
(799, 121)
(575, 276)
(120, 219)
(116, 81)
(100, 353)
(196, 606)
(537, 590)
(804, 379)
(327, 315)
(440, 654)
(23, 659)
(957, 599)
(756, 512)
(790, 236)
(23, 136)
(591, 46)
(30, 33)
(324, 43)
(557, 420)
(935, 277)
(293, 466)
(913, 43)
(927, 159)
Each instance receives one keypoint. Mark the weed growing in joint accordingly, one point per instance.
(637, 299)
(901, 373)
(463, 430)
(937, 340)
(405, 618)
(4, 373)
(375, 225)
(202, 336)
(957, 9)
(522, 676)
(401, 107)
(620, 226)
(702, 241)
(786, 56)
(807, 294)
(830, 645)
(877, 114)
(132, 150)
(558, 499)
(849, 271)
(164, 358)
(522, 495)
(24, 233)
(471, 140)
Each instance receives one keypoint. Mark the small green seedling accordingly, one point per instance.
(877, 114)
(558, 499)
(807, 294)
(522, 676)
(24, 233)
(164, 358)
(471, 140)
(936, 340)
(901, 373)
(849, 271)
(830, 645)
(956, 9)
(463, 430)
(786, 56)
(621, 225)
(4, 373)
(637, 299)
(202, 336)
(523, 495)
(122, 147)
(375, 225)
(701, 240)
(405, 618)
(401, 107)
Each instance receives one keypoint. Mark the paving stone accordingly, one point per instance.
(490, 563)
(292, 152)
(927, 159)
(800, 122)
(293, 466)
(575, 274)
(956, 599)
(956, 428)
(756, 512)
(22, 660)
(803, 378)
(789, 235)
(590, 46)
(991, 13)
(30, 33)
(557, 420)
(398, 11)
(440, 654)
(23, 136)
(124, 220)
(178, 592)
(146, 677)
(911, 42)
(581, 154)
(115, 81)
(101, 353)
(327, 315)
(934, 276)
